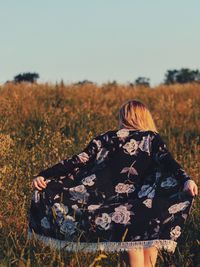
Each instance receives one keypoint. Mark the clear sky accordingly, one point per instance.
(98, 40)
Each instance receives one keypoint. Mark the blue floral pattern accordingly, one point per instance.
(125, 187)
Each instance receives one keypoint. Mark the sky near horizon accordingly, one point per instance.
(99, 40)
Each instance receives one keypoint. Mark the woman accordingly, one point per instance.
(123, 192)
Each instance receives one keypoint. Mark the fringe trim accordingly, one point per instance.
(168, 245)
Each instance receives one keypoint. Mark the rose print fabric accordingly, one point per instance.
(123, 190)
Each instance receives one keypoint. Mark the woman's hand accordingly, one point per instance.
(191, 187)
(39, 183)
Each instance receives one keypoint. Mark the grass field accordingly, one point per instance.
(42, 124)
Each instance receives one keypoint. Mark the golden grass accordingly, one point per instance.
(42, 124)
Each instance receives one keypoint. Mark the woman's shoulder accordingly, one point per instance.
(116, 136)
(125, 132)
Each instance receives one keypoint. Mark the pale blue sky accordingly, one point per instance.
(98, 40)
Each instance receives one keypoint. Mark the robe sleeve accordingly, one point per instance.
(163, 156)
(76, 162)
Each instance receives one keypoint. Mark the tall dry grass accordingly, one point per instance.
(42, 124)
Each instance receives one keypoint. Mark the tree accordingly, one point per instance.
(26, 77)
(142, 81)
(83, 82)
(170, 76)
(183, 75)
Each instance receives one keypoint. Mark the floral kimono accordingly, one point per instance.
(123, 190)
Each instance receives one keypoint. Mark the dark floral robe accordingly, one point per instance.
(123, 190)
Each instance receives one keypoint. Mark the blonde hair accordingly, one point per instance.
(135, 115)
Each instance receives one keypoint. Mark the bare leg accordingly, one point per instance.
(136, 257)
(150, 256)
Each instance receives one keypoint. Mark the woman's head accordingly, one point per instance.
(135, 115)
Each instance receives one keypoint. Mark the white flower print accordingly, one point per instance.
(151, 194)
(158, 174)
(169, 182)
(75, 207)
(36, 196)
(131, 147)
(156, 220)
(101, 155)
(124, 188)
(175, 232)
(122, 133)
(45, 223)
(145, 144)
(68, 226)
(59, 210)
(157, 228)
(83, 157)
(98, 143)
(137, 237)
(56, 196)
(130, 170)
(148, 202)
(121, 215)
(93, 207)
(103, 221)
(79, 193)
(169, 219)
(146, 190)
(62, 177)
(78, 189)
(89, 180)
(156, 232)
(184, 215)
(178, 207)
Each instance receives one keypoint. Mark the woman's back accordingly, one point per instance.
(132, 155)
(122, 156)
(116, 184)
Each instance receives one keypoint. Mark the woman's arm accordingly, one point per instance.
(77, 161)
(162, 156)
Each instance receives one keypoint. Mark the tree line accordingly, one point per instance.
(181, 76)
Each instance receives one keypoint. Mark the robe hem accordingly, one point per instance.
(166, 244)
